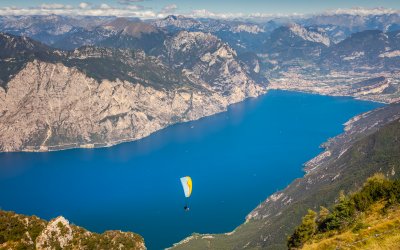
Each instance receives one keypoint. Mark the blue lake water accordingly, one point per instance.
(236, 160)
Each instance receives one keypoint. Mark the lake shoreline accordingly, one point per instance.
(112, 183)
(56, 148)
(31, 149)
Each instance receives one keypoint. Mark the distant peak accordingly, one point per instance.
(312, 36)
(174, 17)
(171, 17)
(119, 21)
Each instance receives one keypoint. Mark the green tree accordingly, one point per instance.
(323, 213)
(304, 231)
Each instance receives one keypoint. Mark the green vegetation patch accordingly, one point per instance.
(349, 213)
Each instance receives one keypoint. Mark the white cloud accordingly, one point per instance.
(128, 2)
(84, 5)
(135, 7)
(169, 9)
(362, 11)
(51, 6)
(203, 13)
(102, 10)
(105, 6)
(134, 10)
(209, 14)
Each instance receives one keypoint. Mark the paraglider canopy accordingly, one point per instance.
(187, 185)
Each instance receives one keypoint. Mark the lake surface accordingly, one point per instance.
(236, 160)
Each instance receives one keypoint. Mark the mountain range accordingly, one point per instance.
(185, 62)
(96, 96)
(69, 82)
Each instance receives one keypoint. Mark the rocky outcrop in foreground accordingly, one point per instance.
(30, 232)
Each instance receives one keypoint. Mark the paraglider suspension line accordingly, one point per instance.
(187, 205)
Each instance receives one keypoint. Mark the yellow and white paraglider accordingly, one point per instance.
(187, 188)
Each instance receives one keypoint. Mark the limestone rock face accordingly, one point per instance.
(49, 106)
(58, 231)
(205, 59)
(31, 232)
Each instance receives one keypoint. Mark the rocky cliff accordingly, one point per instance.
(30, 232)
(76, 99)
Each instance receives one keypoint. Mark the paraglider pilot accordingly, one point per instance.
(187, 188)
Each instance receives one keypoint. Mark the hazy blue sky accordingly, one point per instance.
(216, 6)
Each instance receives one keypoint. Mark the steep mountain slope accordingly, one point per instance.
(178, 23)
(16, 51)
(370, 50)
(78, 37)
(49, 29)
(240, 35)
(356, 22)
(68, 32)
(127, 27)
(132, 35)
(144, 78)
(101, 96)
(366, 219)
(73, 32)
(341, 68)
(295, 42)
(376, 231)
(148, 42)
(293, 48)
(205, 58)
(124, 64)
(369, 145)
(29, 232)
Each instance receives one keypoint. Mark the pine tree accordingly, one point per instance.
(304, 231)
